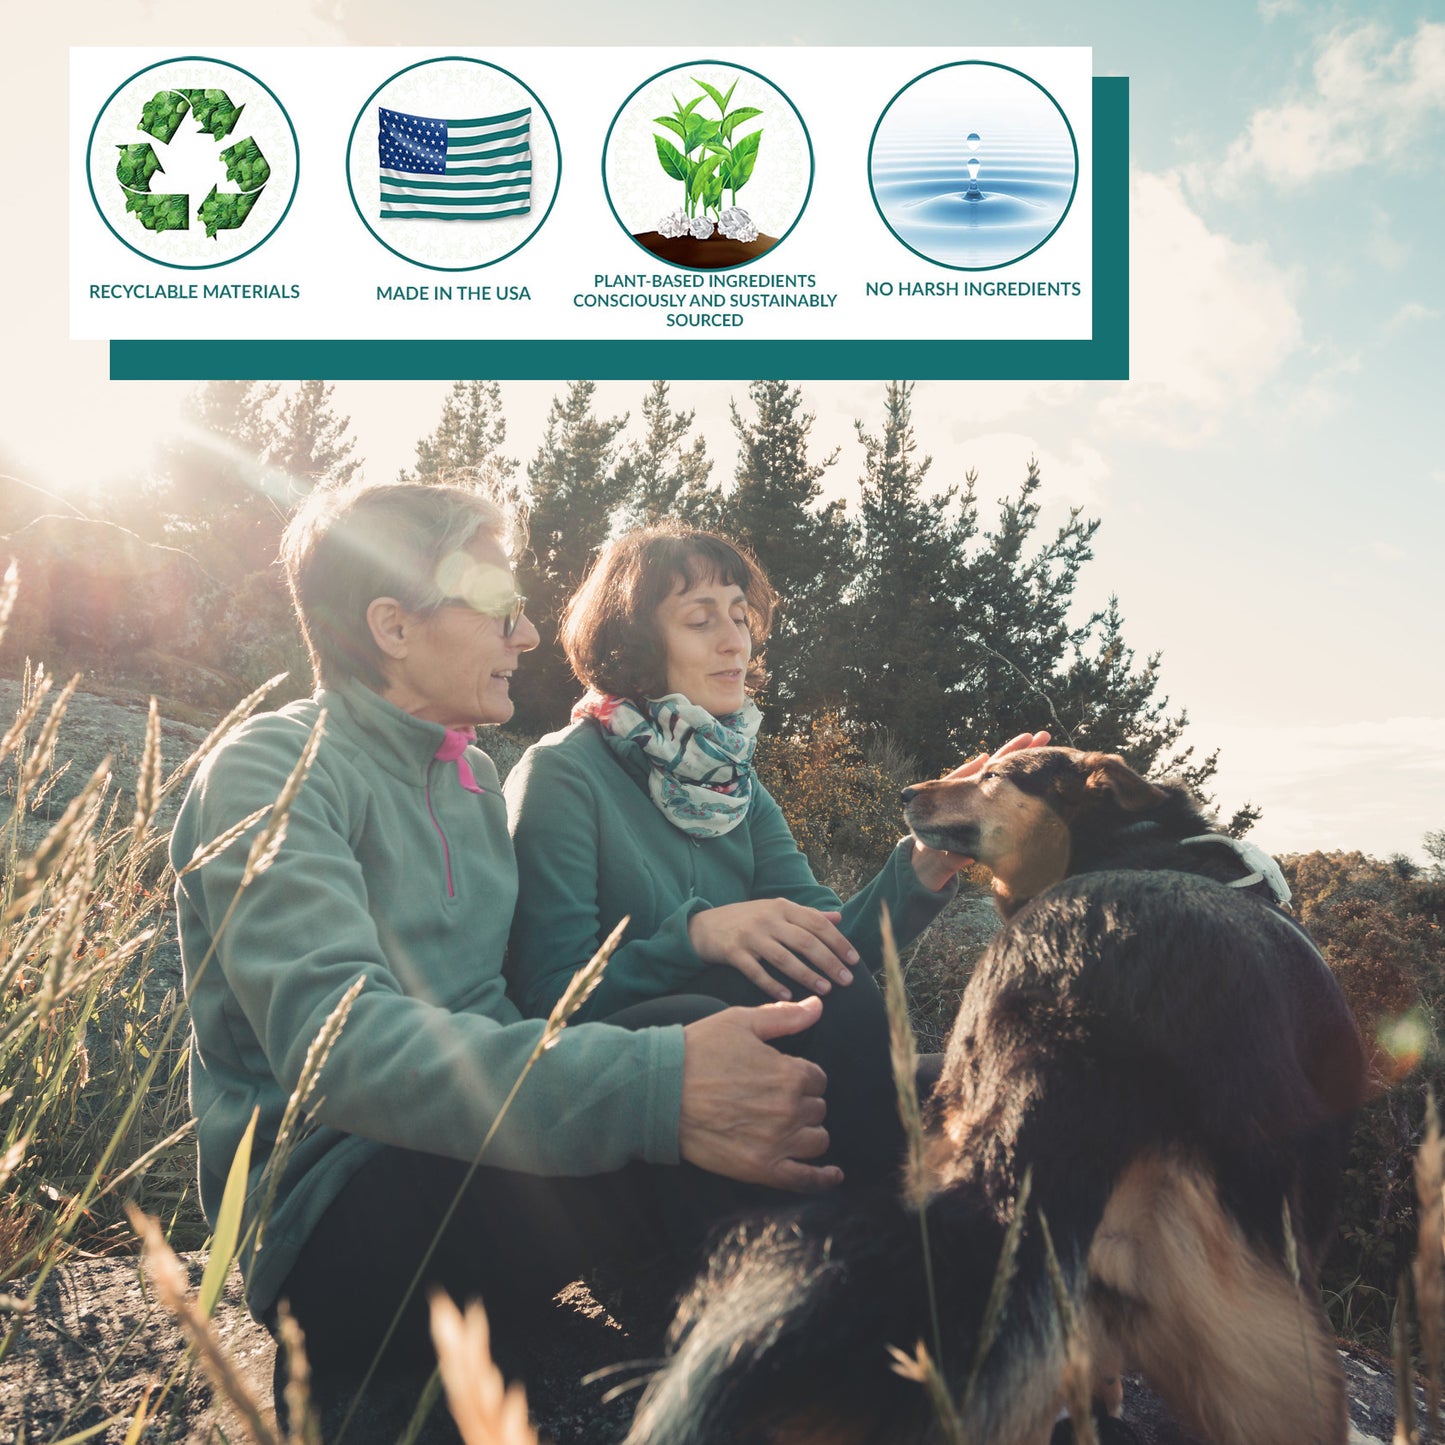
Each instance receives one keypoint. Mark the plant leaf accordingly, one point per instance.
(702, 173)
(745, 155)
(672, 124)
(728, 97)
(717, 95)
(688, 109)
(671, 158)
(700, 130)
(734, 118)
(228, 1222)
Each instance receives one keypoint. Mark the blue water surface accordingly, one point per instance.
(925, 194)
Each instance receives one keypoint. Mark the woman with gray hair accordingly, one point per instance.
(396, 876)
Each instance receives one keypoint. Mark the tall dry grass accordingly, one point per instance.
(93, 1110)
(95, 1148)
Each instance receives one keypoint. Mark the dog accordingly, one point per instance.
(1159, 1048)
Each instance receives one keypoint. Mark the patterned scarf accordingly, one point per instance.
(700, 770)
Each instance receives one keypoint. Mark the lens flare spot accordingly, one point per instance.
(482, 585)
(1404, 1040)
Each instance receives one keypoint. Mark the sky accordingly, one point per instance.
(1270, 479)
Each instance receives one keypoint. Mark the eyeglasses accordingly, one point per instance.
(508, 613)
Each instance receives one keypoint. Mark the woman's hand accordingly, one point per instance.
(748, 1111)
(935, 866)
(798, 941)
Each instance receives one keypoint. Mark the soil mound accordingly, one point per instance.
(710, 255)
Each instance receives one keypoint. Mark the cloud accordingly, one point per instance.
(1372, 101)
(1212, 318)
(1412, 313)
(1374, 785)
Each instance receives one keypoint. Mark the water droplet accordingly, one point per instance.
(973, 139)
(973, 168)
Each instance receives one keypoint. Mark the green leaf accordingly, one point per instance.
(688, 109)
(158, 213)
(671, 158)
(214, 111)
(226, 212)
(733, 119)
(702, 174)
(674, 125)
(713, 198)
(246, 165)
(728, 97)
(745, 156)
(161, 115)
(699, 132)
(717, 96)
(228, 1222)
(136, 166)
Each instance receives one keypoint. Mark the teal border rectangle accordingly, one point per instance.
(1104, 357)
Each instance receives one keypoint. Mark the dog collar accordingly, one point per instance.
(1263, 868)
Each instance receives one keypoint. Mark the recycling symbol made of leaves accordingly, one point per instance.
(161, 117)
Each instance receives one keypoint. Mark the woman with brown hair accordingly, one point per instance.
(648, 807)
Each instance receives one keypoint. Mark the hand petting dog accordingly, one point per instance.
(935, 866)
(803, 943)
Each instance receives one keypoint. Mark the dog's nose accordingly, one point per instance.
(907, 794)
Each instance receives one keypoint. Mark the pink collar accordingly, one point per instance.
(454, 749)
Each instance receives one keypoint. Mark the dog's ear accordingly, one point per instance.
(1108, 772)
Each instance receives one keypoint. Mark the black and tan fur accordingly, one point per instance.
(1173, 1063)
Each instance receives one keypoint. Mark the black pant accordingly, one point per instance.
(849, 1043)
(514, 1239)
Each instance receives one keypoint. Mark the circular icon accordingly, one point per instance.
(707, 165)
(453, 164)
(973, 165)
(192, 162)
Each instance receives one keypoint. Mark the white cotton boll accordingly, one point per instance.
(672, 225)
(700, 228)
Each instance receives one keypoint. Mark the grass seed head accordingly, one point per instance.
(487, 1410)
(267, 843)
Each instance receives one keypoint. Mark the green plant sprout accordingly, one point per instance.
(710, 163)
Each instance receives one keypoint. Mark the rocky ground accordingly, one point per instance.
(86, 1356)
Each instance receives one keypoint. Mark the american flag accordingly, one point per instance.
(454, 170)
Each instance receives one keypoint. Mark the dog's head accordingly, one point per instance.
(1019, 816)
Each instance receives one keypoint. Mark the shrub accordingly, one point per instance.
(1376, 925)
(841, 804)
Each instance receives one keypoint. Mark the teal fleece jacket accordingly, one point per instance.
(393, 873)
(592, 847)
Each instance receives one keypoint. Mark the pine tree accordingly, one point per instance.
(1014, 608)
(806, 550)
(895, 657)
(574, 490)
(213, 494)
(662, 476)
(468, 440)
(955, 638)
(312, 446)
